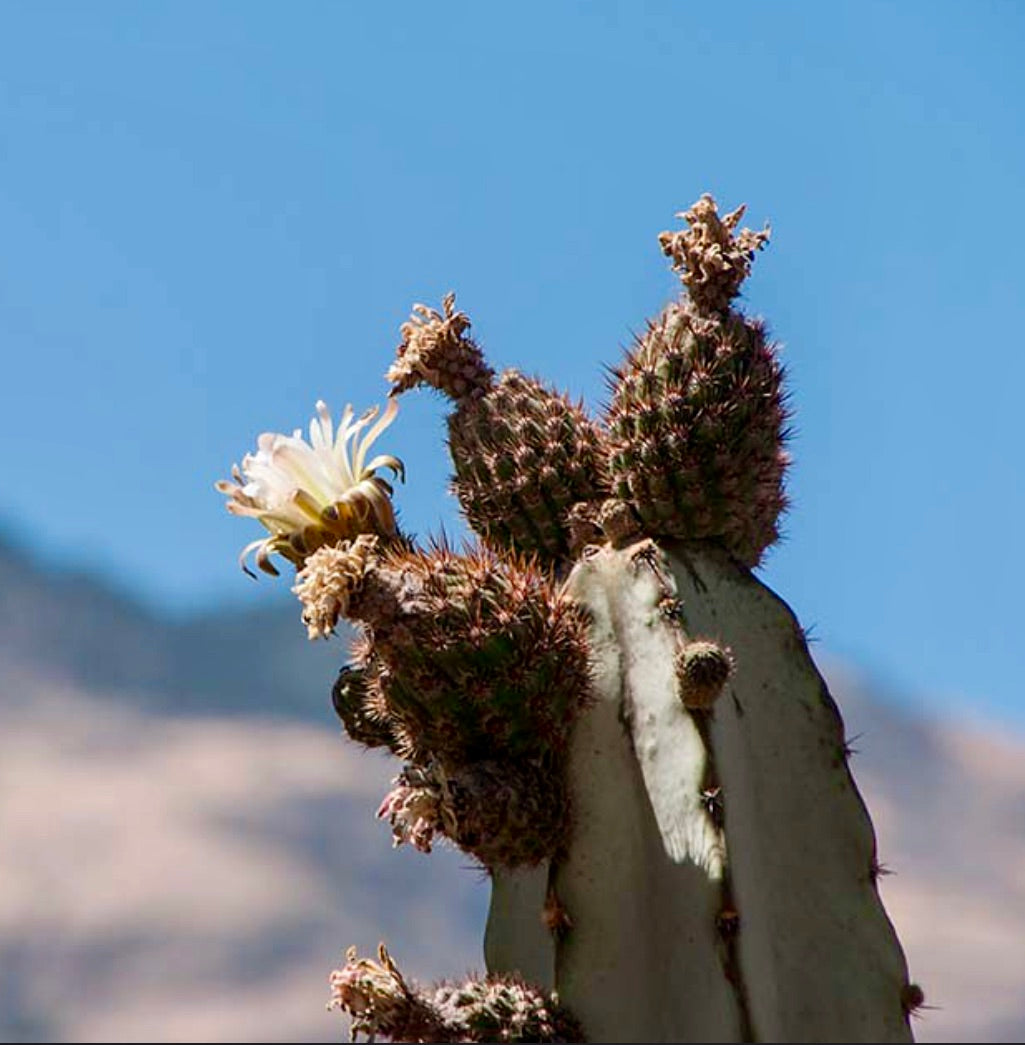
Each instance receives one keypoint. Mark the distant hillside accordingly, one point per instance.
(80, 630)
(187, 842)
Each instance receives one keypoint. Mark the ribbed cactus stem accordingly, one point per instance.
(724, 850)
(600, 703)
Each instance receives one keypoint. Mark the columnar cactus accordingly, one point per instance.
(602, 705)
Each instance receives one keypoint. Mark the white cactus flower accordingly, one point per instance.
(311, 494)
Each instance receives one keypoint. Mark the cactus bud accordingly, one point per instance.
(702, 670)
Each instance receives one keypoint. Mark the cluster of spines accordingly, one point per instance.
(505, 812)
(697, 420)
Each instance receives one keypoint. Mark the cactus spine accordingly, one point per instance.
(601, 703)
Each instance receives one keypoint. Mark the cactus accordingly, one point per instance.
(601, 703)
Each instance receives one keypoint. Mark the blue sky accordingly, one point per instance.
(213, 214)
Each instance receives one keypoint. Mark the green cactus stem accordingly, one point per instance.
(732, 838)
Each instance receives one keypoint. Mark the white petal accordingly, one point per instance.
(386, 419)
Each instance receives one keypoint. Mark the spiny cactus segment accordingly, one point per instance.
(380, 1001)
(482, 653)
(504, 812)
(523, 453)
(698, 414)
(472, 667)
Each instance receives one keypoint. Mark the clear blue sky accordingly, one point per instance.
(211, 214)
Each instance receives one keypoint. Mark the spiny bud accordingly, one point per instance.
(702, 669)
(524, 456)
(504, 812)
(697, 429)
(619, 522)
(349, 696)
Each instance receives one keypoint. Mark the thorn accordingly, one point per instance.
(848, 745)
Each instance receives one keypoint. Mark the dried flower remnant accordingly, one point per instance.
(328, 580)
(711, 258)
(316, 493)
(435, 352)
(378, 999)
(416, 807)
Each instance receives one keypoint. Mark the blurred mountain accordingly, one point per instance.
(187, 844)
(81, 630)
